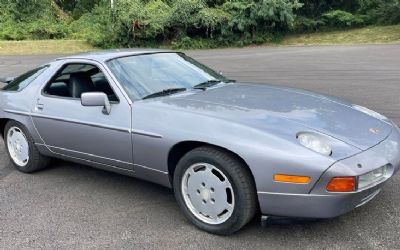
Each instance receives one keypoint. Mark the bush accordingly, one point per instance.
(304, 24)
(185, 23)
(40, 19)
(340, 18)
(211, 19)
(157, 19)
(95, 27)
(182, 17)
(11, 30)
(388, 12)
(251, 17)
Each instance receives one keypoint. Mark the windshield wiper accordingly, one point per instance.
(209, 83)
(164, 92)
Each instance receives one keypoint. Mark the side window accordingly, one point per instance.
(74, 79)
(24, 80)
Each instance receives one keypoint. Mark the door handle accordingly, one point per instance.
(39, 104)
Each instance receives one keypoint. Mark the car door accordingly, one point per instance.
(70, 129)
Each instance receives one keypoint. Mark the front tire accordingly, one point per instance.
(215, 190)
(21, 149)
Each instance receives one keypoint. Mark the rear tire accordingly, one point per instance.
(215, 190)
(22, 150)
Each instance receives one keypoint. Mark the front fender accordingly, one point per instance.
(266, 153)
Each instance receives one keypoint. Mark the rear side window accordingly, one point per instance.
(24, 80)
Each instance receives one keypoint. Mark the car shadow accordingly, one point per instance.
(90, 197)
(154, 192)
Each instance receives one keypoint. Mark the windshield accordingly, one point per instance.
(143, 75)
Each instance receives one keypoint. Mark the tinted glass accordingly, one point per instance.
(142, 75)
(91, 78)
(24, 80)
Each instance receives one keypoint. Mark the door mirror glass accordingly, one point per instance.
(96, 99)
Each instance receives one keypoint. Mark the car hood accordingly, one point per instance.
(316, 112)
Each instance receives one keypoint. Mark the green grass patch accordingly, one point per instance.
(40, 47)
(367, 35)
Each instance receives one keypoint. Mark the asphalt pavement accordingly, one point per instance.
(69, 206)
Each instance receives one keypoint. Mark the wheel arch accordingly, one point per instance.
(180, 149)
(3, 122)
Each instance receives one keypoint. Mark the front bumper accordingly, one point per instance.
(319, 203)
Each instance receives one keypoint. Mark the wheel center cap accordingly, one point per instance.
(205, 194)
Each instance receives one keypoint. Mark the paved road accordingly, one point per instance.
(72, 206)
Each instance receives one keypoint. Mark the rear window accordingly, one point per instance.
(24, 80)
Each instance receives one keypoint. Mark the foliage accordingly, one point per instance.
(76, 8)
(250, 17)
(182, 12)
(157, 18)
(388, 12)
(326, 14)
(315, 8)
(95, 27)
(24, 19)
(305, 24)
(211, 19)
(185, 23)
(340, 18)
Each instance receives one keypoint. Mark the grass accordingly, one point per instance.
(367, 35)
(41, 47)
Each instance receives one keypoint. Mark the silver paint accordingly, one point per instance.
(257, 123)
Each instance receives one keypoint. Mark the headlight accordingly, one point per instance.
(372, 177)
(315, 143)
(370, 112)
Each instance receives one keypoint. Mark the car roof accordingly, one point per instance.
(105, 55)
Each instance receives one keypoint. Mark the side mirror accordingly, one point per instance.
(96, 99)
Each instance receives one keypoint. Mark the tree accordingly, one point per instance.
(157, 18)
(211, 19)
(315, 8)
(182, 15)
(249, 17)
(77, 8)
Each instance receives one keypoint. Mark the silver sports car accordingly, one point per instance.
(227, 149)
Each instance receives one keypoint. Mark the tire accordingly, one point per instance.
(202, 177)
(26, 162)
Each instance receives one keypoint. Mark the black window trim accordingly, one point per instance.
(45, 67)
(60, 69)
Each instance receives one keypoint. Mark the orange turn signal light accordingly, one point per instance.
(292, 178)
(342, 184)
